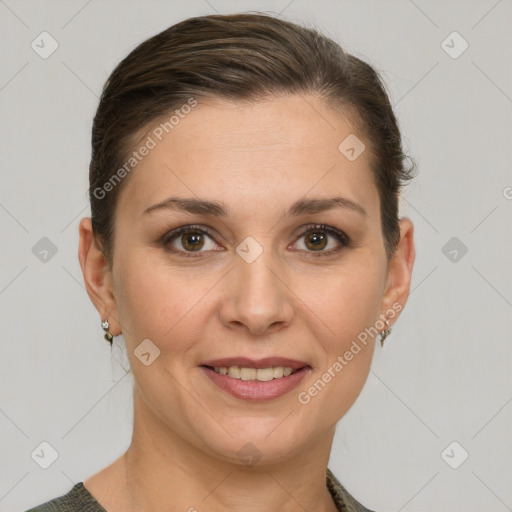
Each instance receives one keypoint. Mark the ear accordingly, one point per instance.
(398, 281)
(97, 276)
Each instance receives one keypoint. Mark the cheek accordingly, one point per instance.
(154, 299)
(346, 308)
(345, 301)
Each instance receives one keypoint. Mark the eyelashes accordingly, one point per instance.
(197, 231)
(316, 229)
(175, 233)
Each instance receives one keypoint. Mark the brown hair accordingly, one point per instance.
(239, 57)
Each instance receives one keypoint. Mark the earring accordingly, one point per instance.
(108, 335)
(384, 334)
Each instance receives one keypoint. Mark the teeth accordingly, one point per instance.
(261, 374)
(278, 372)
(234, 372)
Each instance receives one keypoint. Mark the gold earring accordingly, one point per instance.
(384, 334)
(108, 335)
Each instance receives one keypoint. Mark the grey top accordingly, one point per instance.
(79, 499)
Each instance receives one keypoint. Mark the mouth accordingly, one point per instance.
(262, 370)
(256, 381)
(260, 374)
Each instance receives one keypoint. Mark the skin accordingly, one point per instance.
(258, 159)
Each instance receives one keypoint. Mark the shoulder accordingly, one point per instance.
(77, 499)
(344, 501)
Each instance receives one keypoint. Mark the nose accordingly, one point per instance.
(257, 298)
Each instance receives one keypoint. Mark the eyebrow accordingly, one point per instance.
(219, 209)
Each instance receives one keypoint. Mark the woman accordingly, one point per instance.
(245, 240)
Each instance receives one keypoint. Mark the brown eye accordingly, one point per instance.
(192, 241)
(315, 241)
(187, 240)
(317, 238)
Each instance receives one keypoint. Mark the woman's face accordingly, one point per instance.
(262, 282)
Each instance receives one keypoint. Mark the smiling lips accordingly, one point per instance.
(261, 374)
(263, 370)
(266, 362)
(256, 380)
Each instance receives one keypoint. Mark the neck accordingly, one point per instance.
(161, 468)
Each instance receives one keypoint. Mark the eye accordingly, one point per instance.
(188, 239)
(316, 239)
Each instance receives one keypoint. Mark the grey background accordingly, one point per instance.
(444, 374)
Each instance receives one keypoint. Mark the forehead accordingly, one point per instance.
(289, 125)
(252, 155)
